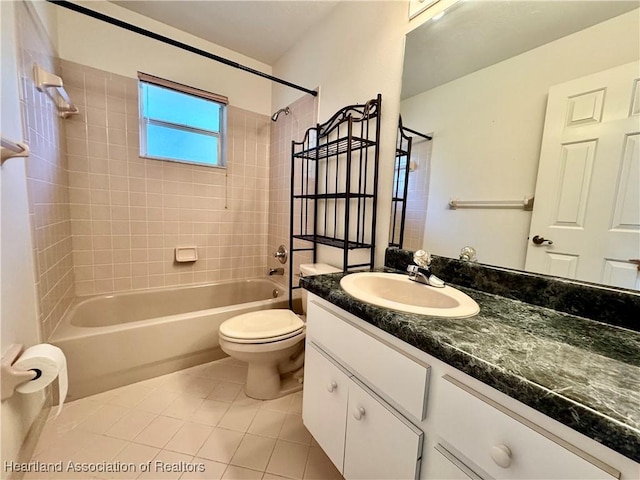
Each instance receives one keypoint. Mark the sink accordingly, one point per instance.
(397, 292)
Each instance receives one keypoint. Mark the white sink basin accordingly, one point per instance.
(397, 292)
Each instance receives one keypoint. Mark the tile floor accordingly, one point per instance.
(194, 419)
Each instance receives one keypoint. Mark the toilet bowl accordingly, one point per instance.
(272, 344)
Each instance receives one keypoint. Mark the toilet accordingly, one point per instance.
(272, 344)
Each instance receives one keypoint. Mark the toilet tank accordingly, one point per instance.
(308, 269)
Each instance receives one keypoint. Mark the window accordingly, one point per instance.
(181, 123)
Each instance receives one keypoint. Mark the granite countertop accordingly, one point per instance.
(580, 372)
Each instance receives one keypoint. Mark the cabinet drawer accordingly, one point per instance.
(488, 434)
(402, 380)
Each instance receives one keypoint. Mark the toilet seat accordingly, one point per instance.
(263, 326)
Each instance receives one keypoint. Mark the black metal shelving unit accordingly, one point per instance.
(334, 186)
(400, 186)
(401, 171)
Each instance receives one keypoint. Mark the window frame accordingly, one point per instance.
(143, 121)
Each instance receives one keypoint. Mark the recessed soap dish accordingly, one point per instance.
(186, 254)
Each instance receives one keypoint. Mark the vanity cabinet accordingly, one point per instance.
(364, 436)
(458, 427)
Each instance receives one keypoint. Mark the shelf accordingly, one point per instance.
(335, 147)
(329, 196)
(332, 242)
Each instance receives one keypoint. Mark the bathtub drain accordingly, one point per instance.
(275, 293)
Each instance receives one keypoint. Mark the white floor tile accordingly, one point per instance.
(238, 418)
(102, 449)
(130, 425)
(210, 412)
(189, 438)
(254, 452)
(131, 395)
(293, 430)
(183, 406)
(199, 419)
(319, 467)
(225, 392)
(157, 401)
(163, 466)
(281, 404)
(221, 445)
(132, 455)
(200, 386)
(288, 459)
(240, 473)
(159, 431)
(267, 423)
(103, 418)
(210, 470)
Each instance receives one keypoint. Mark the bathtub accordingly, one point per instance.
(115, 340)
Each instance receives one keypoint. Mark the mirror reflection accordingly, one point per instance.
(534, 109)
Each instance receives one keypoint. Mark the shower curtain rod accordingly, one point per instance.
(175, 43)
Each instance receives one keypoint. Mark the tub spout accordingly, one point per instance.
(276, 271)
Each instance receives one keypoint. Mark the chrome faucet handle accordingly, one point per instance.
(281, 254)
(422, 258)
(468, 253)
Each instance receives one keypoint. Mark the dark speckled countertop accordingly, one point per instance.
(578, 371)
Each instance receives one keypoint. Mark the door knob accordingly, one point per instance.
(332, 386)
(538, 240)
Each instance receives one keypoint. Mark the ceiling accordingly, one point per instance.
(475, 34)
(260, 29)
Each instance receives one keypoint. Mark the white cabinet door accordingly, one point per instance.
(324, 403)
(380, 443)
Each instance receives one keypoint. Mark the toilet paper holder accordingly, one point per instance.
(11, 377)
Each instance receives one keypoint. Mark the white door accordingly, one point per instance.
(587, 199)
(380, 443)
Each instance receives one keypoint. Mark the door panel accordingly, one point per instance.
(587, 192)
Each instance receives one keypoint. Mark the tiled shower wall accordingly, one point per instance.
(418, 195)
(129, 213)
(46, 174)
(304, 114)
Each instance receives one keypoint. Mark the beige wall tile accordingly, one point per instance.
(163, 204)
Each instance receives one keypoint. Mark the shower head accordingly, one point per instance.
(286, 111)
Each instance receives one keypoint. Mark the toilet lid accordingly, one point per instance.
(262, 324)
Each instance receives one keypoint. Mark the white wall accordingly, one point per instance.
(352, 56)
(18, 312)
(99, 45)
(487, 129)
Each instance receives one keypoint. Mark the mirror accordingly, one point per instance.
(477, 80)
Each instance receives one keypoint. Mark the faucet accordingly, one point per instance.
(276, 271)
(421, 273)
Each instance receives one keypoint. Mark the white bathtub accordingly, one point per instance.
(115, 340)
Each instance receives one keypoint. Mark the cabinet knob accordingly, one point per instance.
(332, 386)
(358, 413)
(501, 454)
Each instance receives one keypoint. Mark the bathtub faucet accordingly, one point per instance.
(276, 271)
